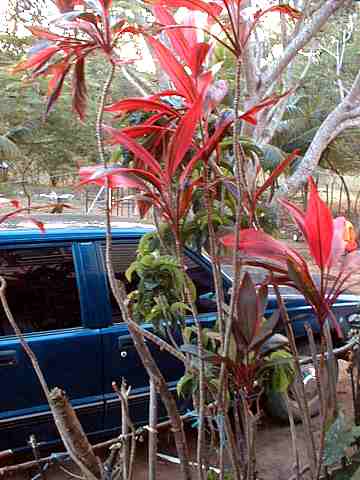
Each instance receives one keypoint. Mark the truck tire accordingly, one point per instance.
(276, 404)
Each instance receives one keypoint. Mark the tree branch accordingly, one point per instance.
(345, 115)
(304, 35)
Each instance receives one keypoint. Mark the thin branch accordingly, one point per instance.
(305, 34)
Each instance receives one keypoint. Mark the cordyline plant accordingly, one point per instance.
(325, 239)
(175, 152)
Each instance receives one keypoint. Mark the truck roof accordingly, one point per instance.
(22, 230)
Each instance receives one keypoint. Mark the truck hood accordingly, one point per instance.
(296, 300)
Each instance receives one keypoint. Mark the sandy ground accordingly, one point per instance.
(275, 456)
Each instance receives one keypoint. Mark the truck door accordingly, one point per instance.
(44, 297)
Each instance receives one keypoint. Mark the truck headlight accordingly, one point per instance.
(354, 319)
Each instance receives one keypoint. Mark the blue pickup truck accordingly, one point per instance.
(58, 292)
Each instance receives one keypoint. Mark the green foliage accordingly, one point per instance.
(158, 298)
(339, 437)
(8, 149)
(281, 372)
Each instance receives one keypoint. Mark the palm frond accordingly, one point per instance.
(9, 151)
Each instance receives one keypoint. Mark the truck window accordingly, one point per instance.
(41, 289)
(124, 254)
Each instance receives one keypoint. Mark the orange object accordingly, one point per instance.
(350, 237)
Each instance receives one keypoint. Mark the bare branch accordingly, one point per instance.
(345, 115)
(305, 34)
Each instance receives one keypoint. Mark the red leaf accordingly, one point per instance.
(45, 34)
(176, 37)
(205, 152)
(135, 176)
(67, 5)
(276, 173)
(56, 85)
(93, 32)
(198, 54)
(39, 224)
(79, 88)
(320, 228)
(141, 130)
(15, 203)
(255, 244)
(316, 225)
(212, 9)
(37, 60)
(106, 4)
(338, 242)
(153, 119)
(115, 176)
(249, 115)
(5, 217)
(186, 196)
(183, 138)
(146, 105)
(283, 9)
(297, 215)
(118, 137)
(183, 82)
(203, 82)
(192, 36)
(248, 314)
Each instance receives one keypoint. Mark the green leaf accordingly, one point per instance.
(184, 385)
(132, 268)
(338, 438)
(179, 307)
(148, 260)
(148, 243)
(282, 370)
(188, 332)
(9, 150)
(117, 155)
(191, 287)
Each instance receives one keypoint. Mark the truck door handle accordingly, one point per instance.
(124, 345)
(8, 358)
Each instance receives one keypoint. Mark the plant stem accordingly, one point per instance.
(310, 445)
(100, 115)
(293, 436)
(153, 414)
(202, 385)
(321, 393)
(219, 291)
(136, 333)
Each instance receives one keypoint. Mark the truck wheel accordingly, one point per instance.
(276, 405)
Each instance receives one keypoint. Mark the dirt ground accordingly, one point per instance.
(274, 451)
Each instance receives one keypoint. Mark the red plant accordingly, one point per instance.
(251, 195)
(18, 210)
(167, 146)
(324, 236)
(56, 55)
(236, 31)
(250, 331)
